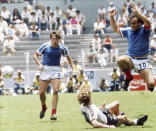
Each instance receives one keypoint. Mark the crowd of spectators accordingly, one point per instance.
(30, 21)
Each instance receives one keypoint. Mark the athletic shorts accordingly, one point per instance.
(50, 72)
(110, 119)
(140, 63)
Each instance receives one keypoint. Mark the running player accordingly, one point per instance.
(51, 70)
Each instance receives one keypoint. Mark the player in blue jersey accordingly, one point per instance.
(138, 40)
(51, 70)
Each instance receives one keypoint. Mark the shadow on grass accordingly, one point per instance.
(136, 127)
(50, 121)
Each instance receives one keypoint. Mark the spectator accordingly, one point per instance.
(102, 25)
(25, 15)
(74, 25)
(8, 46)
(110, 8)
(71, 84)
(114, 54)
(16, 15)
(58, 14)
(97, 27)
(80, 79)
(34, 31)
(48, 12)
(33, 19)
(153, 45)
(152, 7)
(102, 12)
(35, 86)
(71, 11)
(76, 69)
(21, 28)
(52, 21)
(143, 11)
(65, 26)
(19, 83)
(87, 84)
(6, 15)
(154, 57)
(102, 58)
(104, 85)
(91, 55)
(122, 20)
(115, 80)
(96, 42)
(3, 26)
(12, 31)
(38, 13)
(81, 19)
(44, 22)
(107, 43)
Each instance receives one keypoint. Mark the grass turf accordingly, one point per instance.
(21, 113)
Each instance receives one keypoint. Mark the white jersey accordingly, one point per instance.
(92, 112)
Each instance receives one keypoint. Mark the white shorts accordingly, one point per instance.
(140, 63)
(50, 73)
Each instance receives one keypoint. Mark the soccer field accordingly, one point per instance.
(21, 113)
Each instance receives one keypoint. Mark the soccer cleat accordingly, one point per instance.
(42, 113)
(151, 89)
(127, 81)
(142, 120)
(53, 117)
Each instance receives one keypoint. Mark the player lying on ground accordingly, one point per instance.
(106, 116)
(138, 40)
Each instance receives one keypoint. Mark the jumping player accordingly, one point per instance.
(51, 70)
(106, 116)
(138, 40)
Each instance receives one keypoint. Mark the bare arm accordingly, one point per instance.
(143, 18)
(97, 124)
(36, 55)
(113, 22)
(70, 61)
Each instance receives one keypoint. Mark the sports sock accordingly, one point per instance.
(53, 111)
(128, 74)
(135, 122)
(44, 107)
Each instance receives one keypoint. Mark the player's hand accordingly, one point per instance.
(40, 67)
(112, 13)
(112, 126)
(134, 10)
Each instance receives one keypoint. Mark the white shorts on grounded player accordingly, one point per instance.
(140, 63)
(50, 73)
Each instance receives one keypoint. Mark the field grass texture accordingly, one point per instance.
(21, 113)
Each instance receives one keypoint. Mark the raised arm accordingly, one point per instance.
(113, 22)
(143, 18)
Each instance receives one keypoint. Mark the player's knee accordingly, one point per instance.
(41, 92)
(55, 91)
(117, 103)
(120, 59)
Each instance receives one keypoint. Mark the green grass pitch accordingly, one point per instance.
(21, 113)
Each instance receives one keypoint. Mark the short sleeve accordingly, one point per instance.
(65, 51)
(41, 49)
(123, 32)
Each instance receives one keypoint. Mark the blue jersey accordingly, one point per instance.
(138, 41)
(52, 56)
